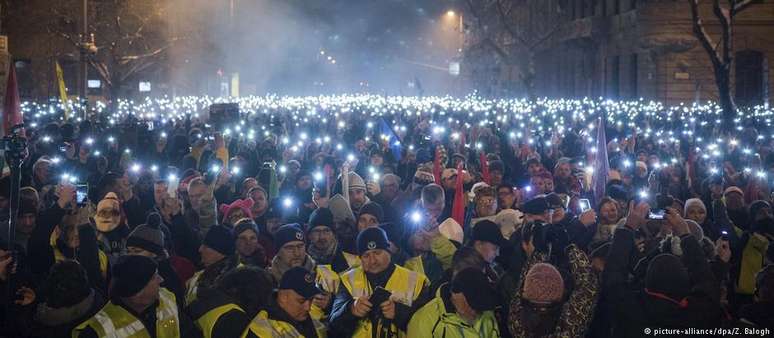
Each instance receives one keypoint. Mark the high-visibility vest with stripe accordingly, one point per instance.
(191, 287)
(113, 321)
(206, 323)
(405, 286)
(415, 264)
(328, 281)
(266, 327)
(352, 260)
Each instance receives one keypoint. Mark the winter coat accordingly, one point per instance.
(59, 323)
(576, 311)
(635, 310)
(438, 318)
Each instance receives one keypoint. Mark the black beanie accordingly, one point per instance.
(131, 274)
(320, 217)
(372, 238)
(220, 239)
(372, 208)
(286, 234)
(244, 225)
(667, 275)
(148, 236)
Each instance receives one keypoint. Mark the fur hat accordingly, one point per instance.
(543, 284)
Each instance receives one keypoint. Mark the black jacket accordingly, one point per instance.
(636, 310)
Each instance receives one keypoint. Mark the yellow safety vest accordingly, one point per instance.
(191, 288)
(113, 321)
(59, 256)
(352, 260)
(415, 264)
(405, 286)
(266, 327)
(328, 280)
(206, 323)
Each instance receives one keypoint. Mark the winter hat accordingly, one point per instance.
(299, 280)
(617, 192)
(535, 206)
(448, 172)
(695, 229)
(220, 239)
(757, 206)
(694, 202)
(488, 231)
(320, 217)
(509, 221)
(131, 274)
(148, 236)
(452, 230)
(733, 189)
(66, 285)
(424, 175)
(667, 275)
(543, 284)
(243, 205)
(244, 225)
(288, 233)
(372, 238)
(355, 181)
(475, 286)
(372, 208)
(641, 165)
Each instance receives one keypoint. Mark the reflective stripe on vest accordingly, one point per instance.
(280, 329)
(114, 321)
(327, 279)
(352, 260)
(207, 322)
(405, 286)
(191, 288)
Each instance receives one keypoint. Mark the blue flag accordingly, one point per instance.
(601, 163)
(396, 146)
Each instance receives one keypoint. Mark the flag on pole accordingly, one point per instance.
(62, 90)
(601, 163)
(12, 114)
(458, 205)
(394, 143)
(484, 168)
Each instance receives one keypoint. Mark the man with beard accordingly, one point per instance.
(291, 251)
(323, 245)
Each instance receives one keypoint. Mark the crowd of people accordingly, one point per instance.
(390, 217)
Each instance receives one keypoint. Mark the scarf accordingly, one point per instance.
(325, 256)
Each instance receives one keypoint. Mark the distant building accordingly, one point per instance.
(629, 49)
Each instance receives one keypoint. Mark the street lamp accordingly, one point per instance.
(451, 14)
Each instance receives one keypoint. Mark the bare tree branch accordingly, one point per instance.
(742, 5)
(701, 34)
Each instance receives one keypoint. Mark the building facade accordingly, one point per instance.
(631, 49)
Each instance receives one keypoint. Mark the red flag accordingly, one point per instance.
(484, 167)
(437, 165)
(12, 114)
(458, 206)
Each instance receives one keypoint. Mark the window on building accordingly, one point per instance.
(751, 84)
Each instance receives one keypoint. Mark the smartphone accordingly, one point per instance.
(724, 235)
(584, 204)
(657, 214)
(379, 296)
(81, 194)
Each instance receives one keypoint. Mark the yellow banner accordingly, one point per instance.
(62, 90)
